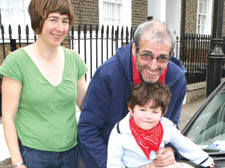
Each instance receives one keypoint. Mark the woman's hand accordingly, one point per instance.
(23, 166)
(20, 165)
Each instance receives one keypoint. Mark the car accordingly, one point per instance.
(207, 127)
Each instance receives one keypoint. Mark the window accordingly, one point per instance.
(115, 12)
(14, 13)
(112, 12)
(201, 16)
(204, 17)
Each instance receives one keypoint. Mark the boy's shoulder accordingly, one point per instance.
(167, 122)
(123, 125)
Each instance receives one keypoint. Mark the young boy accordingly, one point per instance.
(135, 140)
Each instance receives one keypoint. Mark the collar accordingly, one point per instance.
(147, 140)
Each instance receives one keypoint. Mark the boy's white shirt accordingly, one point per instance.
(123, 151)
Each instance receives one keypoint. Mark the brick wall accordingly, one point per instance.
(190, 23)
(191, 16)
(7, 51)
(86, 12)
(139, 12)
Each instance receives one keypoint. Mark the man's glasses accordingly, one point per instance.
(149, 57)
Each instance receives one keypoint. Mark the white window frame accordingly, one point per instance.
(204, 12)
(10, 17)
(124, 17)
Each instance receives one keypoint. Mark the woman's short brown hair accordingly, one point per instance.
(40, 9)
(144, 92)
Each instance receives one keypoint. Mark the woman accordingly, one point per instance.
(42, 83)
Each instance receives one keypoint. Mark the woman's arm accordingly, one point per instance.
(81, 91)
(11, 89)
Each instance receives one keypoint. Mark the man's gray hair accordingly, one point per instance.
(156, 31)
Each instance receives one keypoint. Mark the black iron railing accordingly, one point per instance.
(97, 44)
(194, 51)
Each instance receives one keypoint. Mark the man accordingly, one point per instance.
(148, 58)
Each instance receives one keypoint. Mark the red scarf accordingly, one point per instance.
(148, 140)
(137, 78)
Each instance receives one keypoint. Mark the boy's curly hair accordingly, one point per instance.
(144, 92)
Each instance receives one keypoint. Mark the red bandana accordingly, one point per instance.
(137, 78)
(148, 140)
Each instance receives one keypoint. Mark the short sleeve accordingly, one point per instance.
(11, 67)
(81, 66)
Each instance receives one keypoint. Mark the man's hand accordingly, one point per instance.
(164, 157)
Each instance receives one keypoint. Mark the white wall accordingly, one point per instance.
(154, 9)
(126, 13)
(173, 15)
(166, 10)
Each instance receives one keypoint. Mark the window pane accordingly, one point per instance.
(16, 4)
(204, 7)
(14, 12)
(4, 4)
(111, 12)
(201, 23)
(5, 17)
(201, 19)
(200, 7)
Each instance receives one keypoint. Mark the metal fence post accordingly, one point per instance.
(216, 55)
(13, 44)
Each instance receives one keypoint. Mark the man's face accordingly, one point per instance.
(152, 58)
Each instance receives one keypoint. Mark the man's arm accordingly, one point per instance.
(178, 93)
(92, 120)
(179, 102)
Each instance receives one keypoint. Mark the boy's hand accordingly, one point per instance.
(164, 157)
(212, 164)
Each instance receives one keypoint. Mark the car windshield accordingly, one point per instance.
(208, 130)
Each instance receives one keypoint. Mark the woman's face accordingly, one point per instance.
(55, 29)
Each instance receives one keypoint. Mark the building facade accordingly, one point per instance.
(197, 17)
(185, 16)
(90, 12)
(110, 12)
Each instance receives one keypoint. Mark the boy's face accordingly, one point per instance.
(145, 116)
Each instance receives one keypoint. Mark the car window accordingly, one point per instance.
(208, 130)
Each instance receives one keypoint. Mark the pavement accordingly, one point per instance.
(187, 112)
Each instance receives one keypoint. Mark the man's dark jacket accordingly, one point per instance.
(105, 103)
